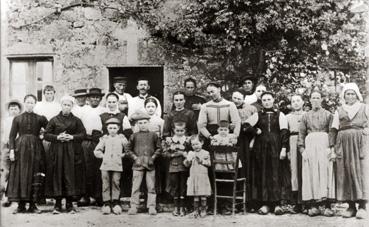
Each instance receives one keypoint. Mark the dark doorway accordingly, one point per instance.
(155, 75)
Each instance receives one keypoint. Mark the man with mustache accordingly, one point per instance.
(138, 103)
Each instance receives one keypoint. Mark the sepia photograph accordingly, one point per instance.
(184, 113)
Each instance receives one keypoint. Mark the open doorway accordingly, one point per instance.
(155, 75)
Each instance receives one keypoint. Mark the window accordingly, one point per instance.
(29, 76)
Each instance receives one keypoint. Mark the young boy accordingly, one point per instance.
(14, 109)
(144, 148)
(224, 138)
(176, 150)
(110, 149)
(294, 119)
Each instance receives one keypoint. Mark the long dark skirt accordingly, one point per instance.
(246, 154)
(27, 171)
(93, 173)
(65, 168)
(271, 177)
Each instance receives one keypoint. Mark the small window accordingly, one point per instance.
(29, 76)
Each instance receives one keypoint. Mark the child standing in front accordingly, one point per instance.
(14, 109)
(110, 149)
(198, 183)
(144, 148)
(176, 150)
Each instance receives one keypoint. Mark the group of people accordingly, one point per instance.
(94, 148)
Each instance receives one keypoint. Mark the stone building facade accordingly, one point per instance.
(74, 45)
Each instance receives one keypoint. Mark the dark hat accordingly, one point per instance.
(249, 77)
(95, 91)
(140, 115)
(80, 92)
(120, 79)
(14, 102)
(113, 121)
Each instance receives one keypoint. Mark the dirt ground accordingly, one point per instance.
(92, 216)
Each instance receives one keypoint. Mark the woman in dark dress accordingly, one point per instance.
(27, 157)
(65, 132)
(271, 178)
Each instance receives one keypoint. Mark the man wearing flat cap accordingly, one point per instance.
(92, 123)
(120, 85)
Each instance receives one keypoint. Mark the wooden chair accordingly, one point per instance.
(225, 161)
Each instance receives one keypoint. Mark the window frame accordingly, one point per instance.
(31, 77)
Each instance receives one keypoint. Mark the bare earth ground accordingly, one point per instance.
(92, 217)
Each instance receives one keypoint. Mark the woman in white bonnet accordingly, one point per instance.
(351, 141)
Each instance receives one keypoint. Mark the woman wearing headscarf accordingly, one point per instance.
(66, 133)
(351, 142)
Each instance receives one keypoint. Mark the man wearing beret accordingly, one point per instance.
(144, 148)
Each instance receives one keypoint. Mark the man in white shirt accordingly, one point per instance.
(80, 95)
(92, 122)
(48, 107)
(138, 103)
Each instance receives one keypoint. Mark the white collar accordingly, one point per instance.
(143, 96)
(177, 139)
(352, 109)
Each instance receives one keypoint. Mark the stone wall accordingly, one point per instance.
(82, 40)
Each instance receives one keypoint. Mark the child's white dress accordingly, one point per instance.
(198, 184)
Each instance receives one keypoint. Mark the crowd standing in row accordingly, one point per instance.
(83, 150)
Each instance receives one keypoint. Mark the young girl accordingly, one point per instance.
(176, 148)
(198, 183)
(110, 149)
(156, 123)
(27, 157)
(294, 120)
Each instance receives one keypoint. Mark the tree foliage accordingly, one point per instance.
(285, 43)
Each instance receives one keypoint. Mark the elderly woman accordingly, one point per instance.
(351, 145)
(270, 179)
(65, 132)
(318, 184)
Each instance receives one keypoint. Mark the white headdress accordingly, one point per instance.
(355, 88)
(67, 98)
